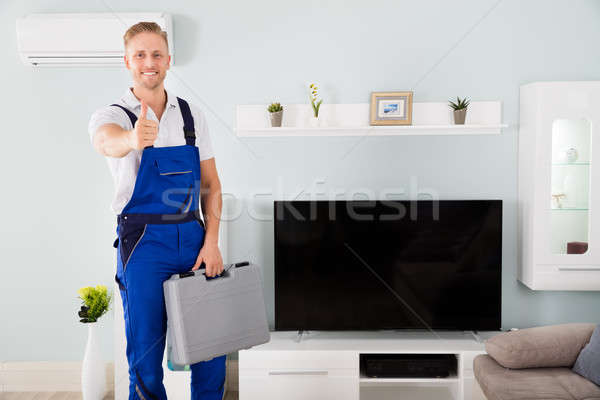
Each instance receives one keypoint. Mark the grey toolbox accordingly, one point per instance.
(212, 316)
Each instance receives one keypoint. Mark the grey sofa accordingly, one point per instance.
(535, 363)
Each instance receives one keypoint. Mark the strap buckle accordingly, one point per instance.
(189, 134)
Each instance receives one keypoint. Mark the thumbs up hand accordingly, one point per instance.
(144, 132)
(144, 111)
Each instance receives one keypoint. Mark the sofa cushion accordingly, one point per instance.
(499, 383)
(588, 362)
(545, 346)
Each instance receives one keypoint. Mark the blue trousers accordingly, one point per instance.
(155, 252)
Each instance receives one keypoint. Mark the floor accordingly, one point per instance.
(70, 396)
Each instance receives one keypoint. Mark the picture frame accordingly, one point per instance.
(391, 108)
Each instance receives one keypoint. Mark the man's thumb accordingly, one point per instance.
(144, 110)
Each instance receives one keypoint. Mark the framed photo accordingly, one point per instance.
(391, 108)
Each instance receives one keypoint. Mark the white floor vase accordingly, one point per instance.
(93, 371)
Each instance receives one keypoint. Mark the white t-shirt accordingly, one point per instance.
(170, 133)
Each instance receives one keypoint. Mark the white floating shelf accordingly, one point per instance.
(375, 131)
(483, 118)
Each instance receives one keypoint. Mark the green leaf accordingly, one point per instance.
(318, 107)
(460, 104)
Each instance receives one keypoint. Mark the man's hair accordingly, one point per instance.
(144, 27)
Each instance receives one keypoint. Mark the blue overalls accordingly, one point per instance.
(160, 233)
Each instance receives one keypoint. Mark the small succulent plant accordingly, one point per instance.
(274, 107)
(459, 104)
(316, 104)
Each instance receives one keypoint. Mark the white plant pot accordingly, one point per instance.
(313, 122)
(93, 370)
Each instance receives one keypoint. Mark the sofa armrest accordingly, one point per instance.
(545, 346)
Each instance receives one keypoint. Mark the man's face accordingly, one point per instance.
(147, 57)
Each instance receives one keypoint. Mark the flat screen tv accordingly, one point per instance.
(376, 265)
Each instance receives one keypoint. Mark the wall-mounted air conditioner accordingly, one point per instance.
(80, 39)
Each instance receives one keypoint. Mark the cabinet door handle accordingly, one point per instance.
(307, 372)
(582, 268)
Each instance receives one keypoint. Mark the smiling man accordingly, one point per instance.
(159, 154)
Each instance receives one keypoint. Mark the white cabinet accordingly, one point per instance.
(295, 384)
(326, 365)
(298, 375)
(558, 192)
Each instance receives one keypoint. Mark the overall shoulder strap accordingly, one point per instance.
(131, 115)
(188, 122)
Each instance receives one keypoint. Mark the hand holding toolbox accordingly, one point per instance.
(209, 317)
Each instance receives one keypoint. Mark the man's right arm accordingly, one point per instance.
(113, 140)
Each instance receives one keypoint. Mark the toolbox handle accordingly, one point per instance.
(203, 270)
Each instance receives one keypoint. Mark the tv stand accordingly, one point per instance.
(328, 366)
(476, 336)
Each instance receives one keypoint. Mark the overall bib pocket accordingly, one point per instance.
(170, 166)
(176, 182)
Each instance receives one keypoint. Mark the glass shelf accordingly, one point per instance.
(573, 163)
(569, 209)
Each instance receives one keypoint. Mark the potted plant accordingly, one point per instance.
(276, 114)
(93, 373)
(316, 104)
(460, 110)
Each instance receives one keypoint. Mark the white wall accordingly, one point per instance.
(57, 228)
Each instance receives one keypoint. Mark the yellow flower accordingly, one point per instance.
(312, 84)
(101, 289)
(84, 291)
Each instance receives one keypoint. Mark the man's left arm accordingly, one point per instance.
(211, 202)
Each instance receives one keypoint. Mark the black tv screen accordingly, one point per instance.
(371, 265)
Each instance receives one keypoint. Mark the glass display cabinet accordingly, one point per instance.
(558, 242)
